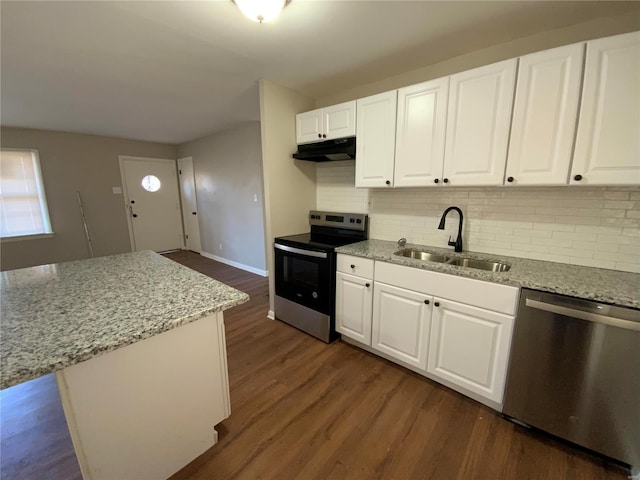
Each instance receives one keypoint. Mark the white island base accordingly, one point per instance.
(146, 410)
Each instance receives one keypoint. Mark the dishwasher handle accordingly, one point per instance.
(588, 316)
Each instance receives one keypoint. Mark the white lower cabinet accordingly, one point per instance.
(353, 307)
(401, 324)
(469, 347)
(451, 329)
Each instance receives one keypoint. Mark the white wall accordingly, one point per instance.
(593, 226)
(228, 174)
(88, 164)
(390, 80)
(289, 185)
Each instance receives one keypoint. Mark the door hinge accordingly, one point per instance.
(186, 237)
(179, 172)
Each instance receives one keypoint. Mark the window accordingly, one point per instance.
(23, 206)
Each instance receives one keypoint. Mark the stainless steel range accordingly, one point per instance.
(305, 271)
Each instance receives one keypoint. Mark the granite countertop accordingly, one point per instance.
(57, 315)
(599, 284)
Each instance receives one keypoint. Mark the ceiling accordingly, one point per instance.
(171, 72)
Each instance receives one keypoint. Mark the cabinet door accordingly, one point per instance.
(339, 121)
(353, 307)
(376, 137)
(478, 121)
(309, 127)
(401, 324)
(545, 116)
(422, 121)
(469, 347)
(608, 139)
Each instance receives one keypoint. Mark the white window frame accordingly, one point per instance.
(42, 197)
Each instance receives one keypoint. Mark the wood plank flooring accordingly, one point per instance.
(301, 409)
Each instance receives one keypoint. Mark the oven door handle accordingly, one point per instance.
(300, 251)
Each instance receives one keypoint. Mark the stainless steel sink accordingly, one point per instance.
(422, 255)
(457, 261)
(479, 264)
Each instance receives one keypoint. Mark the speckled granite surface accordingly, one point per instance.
(606, 286)
(54, 316)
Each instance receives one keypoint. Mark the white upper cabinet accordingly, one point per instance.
(544, 117)
(608, 140)
(420, 134)
(376, 135)
(336, 121)
(309, 127)
(479, 117)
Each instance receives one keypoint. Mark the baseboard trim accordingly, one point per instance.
(271, 315)
(257, 271)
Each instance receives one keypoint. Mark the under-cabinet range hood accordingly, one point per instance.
(330, 150)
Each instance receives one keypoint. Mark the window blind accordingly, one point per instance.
(23, 206)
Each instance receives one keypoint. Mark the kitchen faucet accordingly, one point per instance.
(458, 243)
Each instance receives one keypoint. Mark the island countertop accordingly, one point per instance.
(599, 284)
(54, 316)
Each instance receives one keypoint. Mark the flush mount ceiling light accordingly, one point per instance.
(261, 10)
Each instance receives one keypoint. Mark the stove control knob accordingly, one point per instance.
(314, 294)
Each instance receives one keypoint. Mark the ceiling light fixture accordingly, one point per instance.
(261, 10)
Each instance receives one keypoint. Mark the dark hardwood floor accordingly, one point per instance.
(301, 409)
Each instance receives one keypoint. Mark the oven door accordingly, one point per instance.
(305, 276)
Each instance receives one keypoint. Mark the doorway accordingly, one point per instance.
(189, 204)
(153, 204)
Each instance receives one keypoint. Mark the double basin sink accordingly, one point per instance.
(457, 261)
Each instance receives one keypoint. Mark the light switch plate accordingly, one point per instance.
(117, 190)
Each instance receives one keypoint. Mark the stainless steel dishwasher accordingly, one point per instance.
(575, 373)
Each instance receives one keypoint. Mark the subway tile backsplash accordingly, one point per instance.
(593, 226)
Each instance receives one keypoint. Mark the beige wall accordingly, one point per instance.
(475, 58)
(228, 173)
(289, 185)
(74, 162)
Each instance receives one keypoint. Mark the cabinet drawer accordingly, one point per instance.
(492, 296)
(362, 267)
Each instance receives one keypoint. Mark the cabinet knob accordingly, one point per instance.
(324, 135)
(510, 179)
(367, 285)
(388, 182)
(319, 135)
(577, 178)
(135, 215)
(426, 302)
(437, 180)
(436, 304)
(352, 266)
(445, 180)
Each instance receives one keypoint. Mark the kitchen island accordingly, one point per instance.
(141, 396)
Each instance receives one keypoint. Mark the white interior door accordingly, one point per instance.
(189, 204)
(153, 203)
